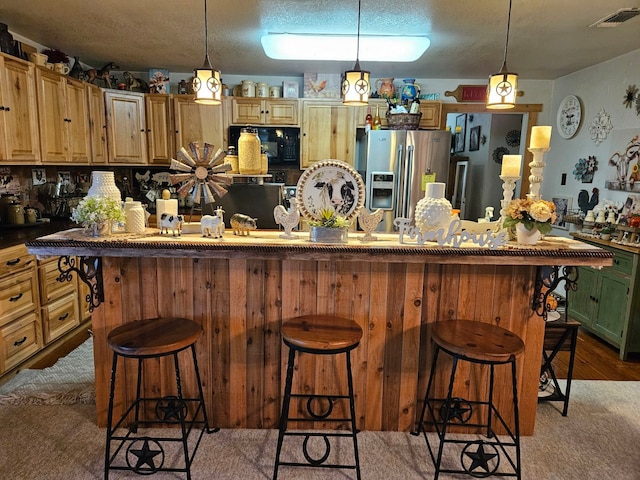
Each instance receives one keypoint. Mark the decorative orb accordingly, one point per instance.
(433, 213)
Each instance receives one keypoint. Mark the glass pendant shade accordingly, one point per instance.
(502, 90)
(207, 84)
(356, 86)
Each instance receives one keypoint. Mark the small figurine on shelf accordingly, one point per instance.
(288, 219)
(368, 222)
(242, 224)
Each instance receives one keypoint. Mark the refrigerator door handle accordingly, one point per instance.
(400, 172)
(407, 175)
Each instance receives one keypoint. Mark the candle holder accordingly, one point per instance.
(536, 167)
(508, 186)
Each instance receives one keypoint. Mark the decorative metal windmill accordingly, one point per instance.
(204, 176)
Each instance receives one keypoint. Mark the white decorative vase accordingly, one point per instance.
(527, 237)
(134, 217)
(103, 184)
(433, 211)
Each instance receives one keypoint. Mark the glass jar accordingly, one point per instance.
(232, 159)
(15, 214)
(249, 158)
(264, 163)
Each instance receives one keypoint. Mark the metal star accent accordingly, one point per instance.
(204, 175)
(171, 407)
(145, 456)
(459, 409)
(488, 461)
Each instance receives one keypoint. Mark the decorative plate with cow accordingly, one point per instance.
(330, 184)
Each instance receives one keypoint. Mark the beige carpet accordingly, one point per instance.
(599, 439)
(48, 432)
(69, 381)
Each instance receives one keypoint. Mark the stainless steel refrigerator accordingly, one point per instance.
(393, 165)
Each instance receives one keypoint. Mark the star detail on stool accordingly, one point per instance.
(486, 459)
(144, 456)
(171, 407)
(459, 409)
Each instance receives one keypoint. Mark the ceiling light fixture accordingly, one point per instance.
(373, 48)
(356, 84)
(206, 82)
(503, 86)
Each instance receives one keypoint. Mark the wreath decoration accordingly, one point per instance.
(513, 138)
(498, 153)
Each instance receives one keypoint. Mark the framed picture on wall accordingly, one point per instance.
(461, 126)
(474, 139)
(563, 205)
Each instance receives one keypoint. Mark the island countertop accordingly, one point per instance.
(240, 289)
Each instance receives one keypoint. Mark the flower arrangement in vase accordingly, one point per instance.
(530, 218)
(329, 228)
(97, 213)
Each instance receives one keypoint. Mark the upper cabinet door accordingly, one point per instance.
(197, 123)
(328, 132)
(52, 116)
(97, 125)
(78, 126)
(260, 111)
(126, 131)
(159, 129)
(19, 138)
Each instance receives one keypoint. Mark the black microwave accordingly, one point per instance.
(281, 144)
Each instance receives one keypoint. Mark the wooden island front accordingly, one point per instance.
(240, 289)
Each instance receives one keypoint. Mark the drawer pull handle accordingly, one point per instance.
(17, 343)
(11, 263)
(16, 298)
(63, 317)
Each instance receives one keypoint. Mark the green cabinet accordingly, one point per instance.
(607, 302)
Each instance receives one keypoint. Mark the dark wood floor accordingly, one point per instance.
(597, 360)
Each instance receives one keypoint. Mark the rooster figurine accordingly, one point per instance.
(368, 222)
(287, 218)
(317, 87)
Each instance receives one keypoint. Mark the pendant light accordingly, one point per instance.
(206, 82)
(503, 86)
(356, 85)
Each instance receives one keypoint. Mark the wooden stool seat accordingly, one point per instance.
(153, 337)
(477, 341)
(324, 333)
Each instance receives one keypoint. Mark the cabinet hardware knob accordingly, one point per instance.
(16, 297)
(11, 263)
(17, 343)
(63, 317)
(1, 107)
(142, 130)
(7, 109)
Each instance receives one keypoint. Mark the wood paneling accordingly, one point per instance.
(241, 302)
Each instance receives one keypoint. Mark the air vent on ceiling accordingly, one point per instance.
(615, 19)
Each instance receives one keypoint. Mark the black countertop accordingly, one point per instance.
(11, 235)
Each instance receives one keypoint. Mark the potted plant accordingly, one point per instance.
(329, 228)
(97, 213)
(530, 218)
(605, 232)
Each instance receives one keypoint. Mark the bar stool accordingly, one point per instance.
(143, 454)
(477, 343)
(318, 335)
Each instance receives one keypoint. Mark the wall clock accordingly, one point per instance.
(569, 116)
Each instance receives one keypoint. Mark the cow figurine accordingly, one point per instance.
(173, 222)
(212, 226)
(242, 224)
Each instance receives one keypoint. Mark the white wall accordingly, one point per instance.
(601, 86)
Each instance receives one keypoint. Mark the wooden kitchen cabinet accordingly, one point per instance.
(20, 326)
(262, 111)
(160, 139)
(195, 122)
(63, 114)
(328, 132)
(97, 124)
(126, 127)
(430, 115)
(19, 137)
(607, 302)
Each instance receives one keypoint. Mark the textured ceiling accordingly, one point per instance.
(548, 39)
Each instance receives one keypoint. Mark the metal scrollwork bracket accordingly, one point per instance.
(89, 270)
(547, 279)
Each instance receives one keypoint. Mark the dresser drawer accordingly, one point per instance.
(60, 316)
(15, 258)
(50, 287)
(20, 339)
(622, 262)
(18, 296)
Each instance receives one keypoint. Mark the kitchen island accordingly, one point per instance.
(241, 288)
